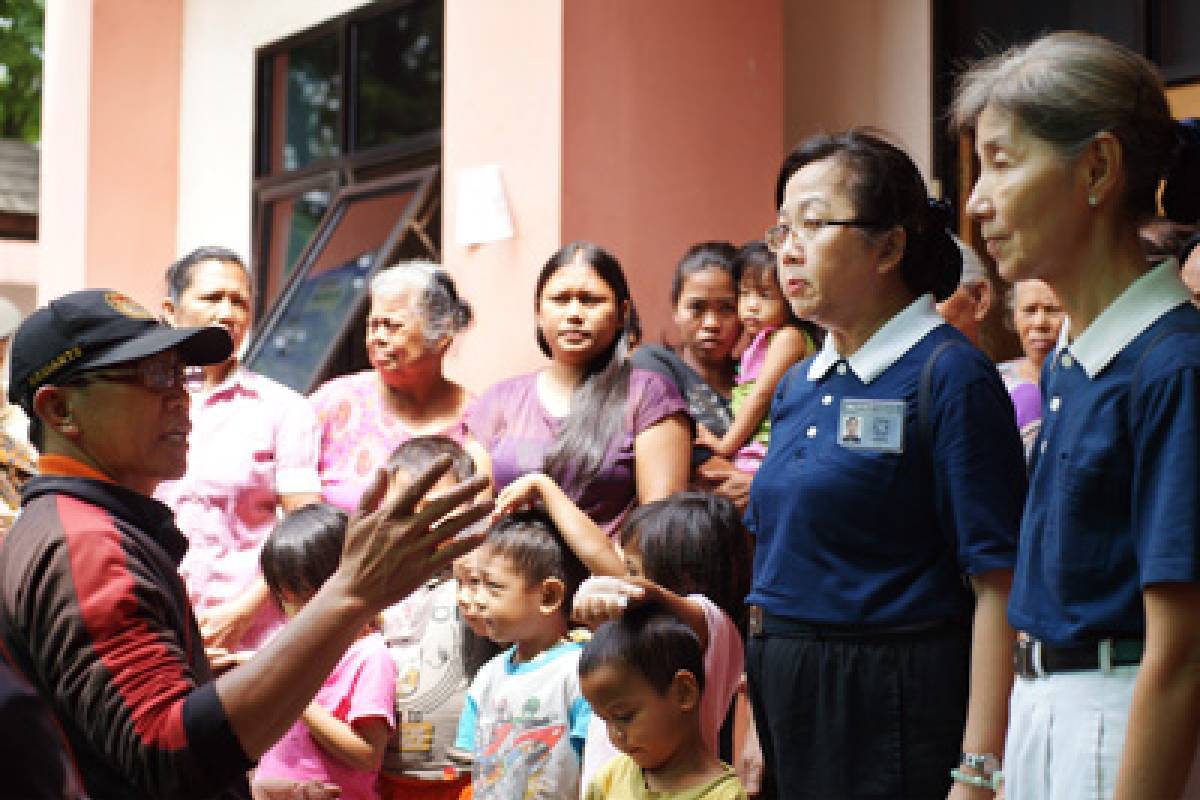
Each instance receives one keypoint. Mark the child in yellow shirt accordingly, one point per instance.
(643, 674)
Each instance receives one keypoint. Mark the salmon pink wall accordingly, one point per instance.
(866, 62)
(672, 131)
(133, 150)
(502, 105)
(19, 269)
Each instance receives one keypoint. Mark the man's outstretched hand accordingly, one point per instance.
(392, 548)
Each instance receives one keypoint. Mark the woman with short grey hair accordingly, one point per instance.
(1074, 137)
(414, 316)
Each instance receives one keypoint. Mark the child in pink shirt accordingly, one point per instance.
(340, 738)
(777, 341)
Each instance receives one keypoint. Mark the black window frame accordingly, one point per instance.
(272, 191)
(351, 168)
(424, 203)
(345, 27)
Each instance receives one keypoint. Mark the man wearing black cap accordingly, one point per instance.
(92, 610)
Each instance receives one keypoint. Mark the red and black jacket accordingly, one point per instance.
(93, 611)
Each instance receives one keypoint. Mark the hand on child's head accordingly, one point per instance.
(631, 552)
(601, 598)
(222, 659)
(518, 495)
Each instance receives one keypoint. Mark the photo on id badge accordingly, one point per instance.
(872, 425)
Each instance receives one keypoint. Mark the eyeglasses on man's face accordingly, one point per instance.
(803, 228)
(154, 374)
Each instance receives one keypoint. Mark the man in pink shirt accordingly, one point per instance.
(253, 449)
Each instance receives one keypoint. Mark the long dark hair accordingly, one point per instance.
(597, 415)
(694, 543)
(887, 189)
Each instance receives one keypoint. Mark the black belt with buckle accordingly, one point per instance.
(764, 623)
(1033, 658)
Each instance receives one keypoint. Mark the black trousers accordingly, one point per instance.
(845, 717)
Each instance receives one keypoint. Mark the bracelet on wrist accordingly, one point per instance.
(978, 769)
(990, 781)
(987, 763)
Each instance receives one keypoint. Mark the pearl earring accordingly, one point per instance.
(1092, 200)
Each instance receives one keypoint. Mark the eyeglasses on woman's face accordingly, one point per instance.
(802, 228)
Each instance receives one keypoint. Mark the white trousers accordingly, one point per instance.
(1065, 736)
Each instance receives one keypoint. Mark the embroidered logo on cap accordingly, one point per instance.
(124, 304)
(54, 365)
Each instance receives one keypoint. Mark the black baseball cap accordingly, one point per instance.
(97, 328)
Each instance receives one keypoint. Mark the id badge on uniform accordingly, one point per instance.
(872, 425)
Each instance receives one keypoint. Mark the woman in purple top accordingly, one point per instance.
(609, 435)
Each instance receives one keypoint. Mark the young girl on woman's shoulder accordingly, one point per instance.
(777, 341)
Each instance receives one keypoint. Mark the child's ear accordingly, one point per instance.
(554, 596)
(685, 690)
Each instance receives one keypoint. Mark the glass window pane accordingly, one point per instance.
(289, 224)
(306, 96)
(299, 339)
(399, 74)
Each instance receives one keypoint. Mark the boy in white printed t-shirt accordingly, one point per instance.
(525, 717)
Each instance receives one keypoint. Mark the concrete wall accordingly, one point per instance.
(133, 150)
(673, 123)
(503, 104)
(62, 246)
(20, 265)
(110, 111)
(865, 62)
(641, 126)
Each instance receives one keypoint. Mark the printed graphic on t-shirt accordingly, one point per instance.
(515, 752)
(424, 635)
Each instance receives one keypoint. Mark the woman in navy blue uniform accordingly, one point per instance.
(1074, 137)
(887, 509)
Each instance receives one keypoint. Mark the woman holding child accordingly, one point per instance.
(894, 470)
(611, 436)
(704, 298)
